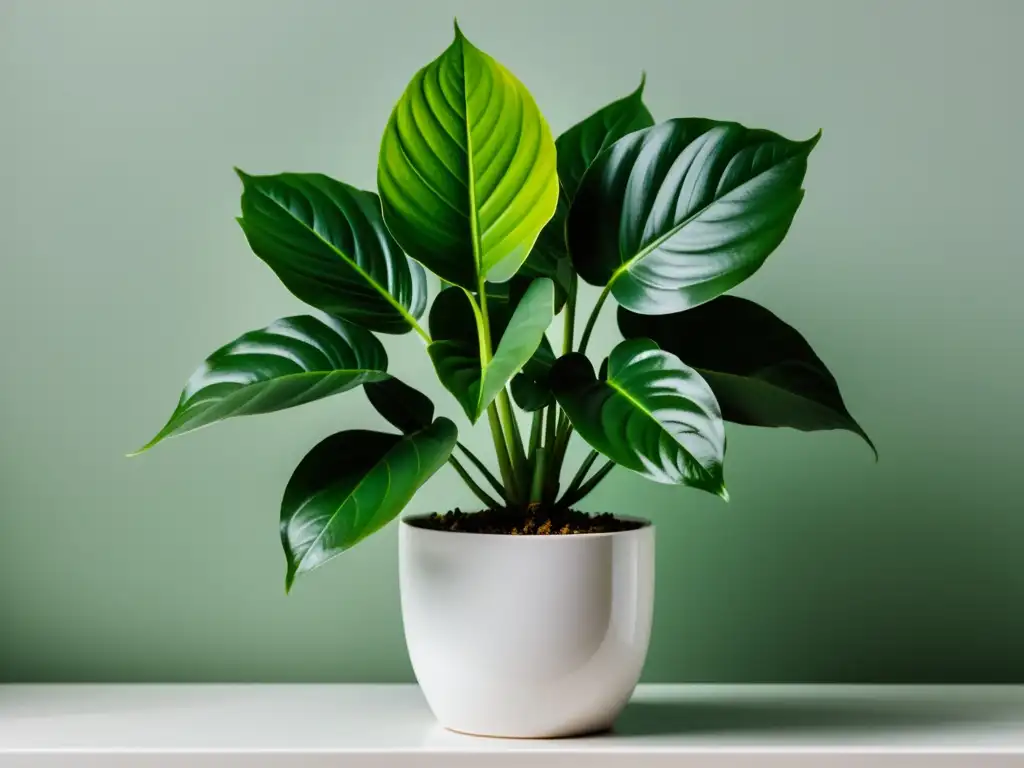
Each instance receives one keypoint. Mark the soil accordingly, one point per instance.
(528, 522)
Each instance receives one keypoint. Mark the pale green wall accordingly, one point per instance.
(122, 268)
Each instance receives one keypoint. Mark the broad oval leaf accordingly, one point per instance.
(581, 144)
(405, 408)
(455, 324)
(327, 243)
(672, 216)
(351, 485)
(763, 372)
(467, 172)
(293, 361)
(652, 414)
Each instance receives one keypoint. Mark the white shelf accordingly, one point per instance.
(358, 726)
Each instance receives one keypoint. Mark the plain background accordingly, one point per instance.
(121, 269)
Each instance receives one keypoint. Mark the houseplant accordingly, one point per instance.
(664, 218)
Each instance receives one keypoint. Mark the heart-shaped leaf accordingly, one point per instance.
(293, 361)
(672, 216)
(467, 171)
(530, 388)
(459, 358)
(405, 408)
(652, 414)
(327, 243)
(351, 485)
(581, 144)
(763, 372)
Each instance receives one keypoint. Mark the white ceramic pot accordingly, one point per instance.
(526, 636)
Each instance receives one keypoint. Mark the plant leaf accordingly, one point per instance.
(327, 243)
(581, 144)
(405, 408)
(763, 372)
(653, 414)
(672, 216)
(467, 171)
(455, 325)
(577, 149)
(530, 388)
(293, 361)
(351, 485)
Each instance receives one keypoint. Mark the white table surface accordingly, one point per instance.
(358, 726)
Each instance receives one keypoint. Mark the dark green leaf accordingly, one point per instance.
(672, 216)
(467, 171)
(579, 146)
(293, 361)
(762, 371)
(455, 324)
(530, 388)
(405, 408)
(327, 243)
(352, 484)
(653, 414)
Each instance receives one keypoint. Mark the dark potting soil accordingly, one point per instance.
(527, 522)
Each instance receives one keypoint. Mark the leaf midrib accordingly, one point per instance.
(659, 241)
(348, 260)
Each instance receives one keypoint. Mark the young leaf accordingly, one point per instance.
(293, 361)
(672, 216)
(467, 172)
(351, 485)
(327, 243)
(652, 414)
(580, 145)
(456, 350)
(405, 408)
(763, 372)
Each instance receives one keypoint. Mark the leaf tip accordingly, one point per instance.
(458, 32)
(643, 82)
(723, 493)
(241, 174)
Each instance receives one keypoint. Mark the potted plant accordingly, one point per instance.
(529, 618)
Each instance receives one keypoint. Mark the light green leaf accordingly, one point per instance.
(293, 361)
(455, 324)
(327, 243)
(652, 414)
(352, 484)
(672, 216)
(467, 170)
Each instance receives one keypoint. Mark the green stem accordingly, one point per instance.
(536, 430)
(494, 421)
(569, 499)
(514, 440)
(593, 318)
(479, 492)
(553, 470)
(537, 487)
(501, 450)
(570, 317)
(581, 473)
(483, 469)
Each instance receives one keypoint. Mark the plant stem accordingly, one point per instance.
(536, 430)
(501, 450)
(479, 492)
(593, 318)
(494, 421)
(553, 470)
(514, 440)
(483, 469)
(569, 499)
(537, 487)
(581, 473)
(570, 317)
(419, 329)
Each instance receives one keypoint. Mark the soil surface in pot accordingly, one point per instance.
(527, 522)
